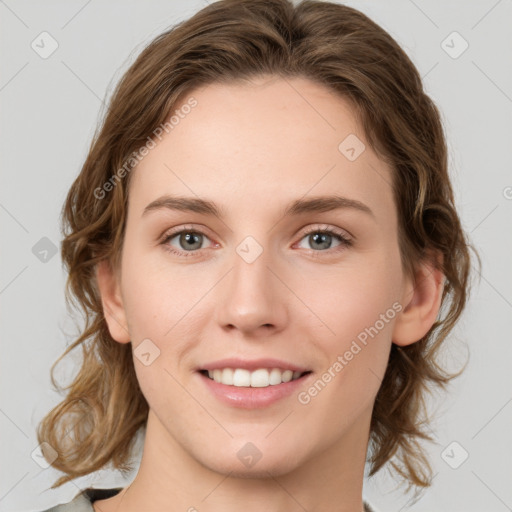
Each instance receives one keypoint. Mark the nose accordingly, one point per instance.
(252, 298)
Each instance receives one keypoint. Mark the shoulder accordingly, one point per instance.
(368, 507)
(82, 502)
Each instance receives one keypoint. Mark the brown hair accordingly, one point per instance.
(229, 40)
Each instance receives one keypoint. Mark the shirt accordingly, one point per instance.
(82, 502)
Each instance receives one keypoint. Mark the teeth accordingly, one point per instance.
(260, 378)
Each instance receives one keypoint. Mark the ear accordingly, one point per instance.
(421, 300)
(113, 309)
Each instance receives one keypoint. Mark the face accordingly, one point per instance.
(319, 289)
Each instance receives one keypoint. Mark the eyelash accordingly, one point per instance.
(344, 241)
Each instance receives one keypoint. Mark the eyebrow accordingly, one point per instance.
(299, 206)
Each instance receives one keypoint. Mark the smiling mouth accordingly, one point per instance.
(259, 378)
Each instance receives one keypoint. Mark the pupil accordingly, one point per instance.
(190, 239)
(324, 239)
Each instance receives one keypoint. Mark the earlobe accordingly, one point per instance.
(111, 300)
(421, 302)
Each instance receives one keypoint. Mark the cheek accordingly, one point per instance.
(157, 295)
(168, 306)
(359, 310)
(166, 301)
(358, 307)
(352, 299)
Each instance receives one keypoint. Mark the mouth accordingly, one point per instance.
(259, 378)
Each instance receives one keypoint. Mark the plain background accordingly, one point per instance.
(50, 108)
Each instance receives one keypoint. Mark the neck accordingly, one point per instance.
(330, 480)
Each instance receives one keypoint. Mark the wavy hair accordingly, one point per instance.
(236, 40)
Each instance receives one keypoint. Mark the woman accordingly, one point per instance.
(262, 237)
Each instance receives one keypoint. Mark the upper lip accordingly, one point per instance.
(253, 364)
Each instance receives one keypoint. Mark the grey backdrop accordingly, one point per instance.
(50, 105)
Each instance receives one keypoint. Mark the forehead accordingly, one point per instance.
(269, 138)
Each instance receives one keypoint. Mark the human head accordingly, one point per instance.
(231, 42)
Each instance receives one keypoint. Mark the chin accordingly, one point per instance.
(274, 465)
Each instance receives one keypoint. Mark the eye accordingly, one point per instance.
(321, 239)
(188, 242)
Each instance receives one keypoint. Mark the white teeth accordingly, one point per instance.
(260, 378)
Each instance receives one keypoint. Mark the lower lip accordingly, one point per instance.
(253, 398)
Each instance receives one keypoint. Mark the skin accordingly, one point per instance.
(253, 148)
